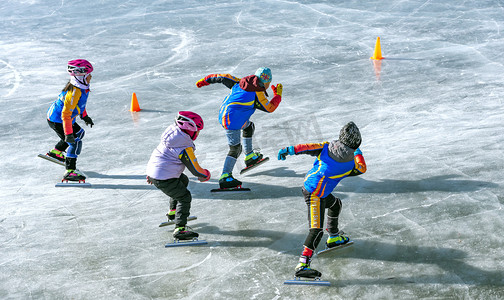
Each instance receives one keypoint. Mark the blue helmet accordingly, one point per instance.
(264, 75)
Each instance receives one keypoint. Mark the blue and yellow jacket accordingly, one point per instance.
(246, 95)
(334, 162)
(69, 105)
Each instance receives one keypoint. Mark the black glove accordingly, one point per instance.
(88, 121)
(69, 138)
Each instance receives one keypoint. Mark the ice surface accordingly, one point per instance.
(426, 218)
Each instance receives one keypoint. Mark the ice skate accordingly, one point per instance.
(73, 175)
(184, 233)
(303, 269)
(227, 181)
(184, 236)
(171, 214)
(171, 222)
(56, 154)
(337, 240)
(253, 158)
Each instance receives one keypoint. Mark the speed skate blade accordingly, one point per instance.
(51, 159)
(326, 250)
(307, 281)
(171, 222)
(262, 161)
(179, 243)
(73, 184)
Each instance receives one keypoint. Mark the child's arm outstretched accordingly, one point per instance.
(226, 79)
(312, 149)
(191, 162)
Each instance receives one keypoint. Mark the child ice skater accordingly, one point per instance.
(335, 161)
(247, 95)
(62, 115)
(174, 153)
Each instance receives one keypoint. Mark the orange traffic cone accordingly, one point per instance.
(377, 51)
(134, 103)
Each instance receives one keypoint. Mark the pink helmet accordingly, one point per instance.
(189, 120)
(79, 67)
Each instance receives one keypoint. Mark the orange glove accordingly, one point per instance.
(207, 176)
(202, 82)
(277, 90)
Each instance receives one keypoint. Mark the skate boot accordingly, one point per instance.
(184, 233)
(73, 175)
(54, 153)
(303, 268)
(171, 214)
(227, 181)
(337, 240)
(252, 158)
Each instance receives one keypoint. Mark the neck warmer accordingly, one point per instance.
(80, 81)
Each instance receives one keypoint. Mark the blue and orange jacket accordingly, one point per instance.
(246, 95)
(69, 105)
(329, 168)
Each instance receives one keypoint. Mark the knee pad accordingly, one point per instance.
(248, 131)
(74, 149)
(78, 147)
(235, 151)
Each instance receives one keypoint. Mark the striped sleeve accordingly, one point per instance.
(312, 149)
(360, 165)
(69, 105)
(189, 159)
(226, 79)
(263, 104)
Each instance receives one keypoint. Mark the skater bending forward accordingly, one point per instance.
(334, 161)
(247, 94)
(174, 153)
(62, 114)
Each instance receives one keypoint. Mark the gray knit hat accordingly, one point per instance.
(350, 135)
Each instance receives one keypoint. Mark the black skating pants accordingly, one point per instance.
(70, 163)
(180, 197)
(316, 210)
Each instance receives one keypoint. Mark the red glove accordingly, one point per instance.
(207, 176)
(148, 180)
(202, 82)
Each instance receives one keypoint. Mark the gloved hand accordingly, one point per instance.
(277, 90)
(148, 180)
(69, 138)
(207, 176)
(357, 152)
(89, 122)
(282, 153)
(202, 82)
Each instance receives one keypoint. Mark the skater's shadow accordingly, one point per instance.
(123, 186)
(442, 183)
(276, 240)
(280, 172)
(92, 174)
(257, 191)
(452, 261)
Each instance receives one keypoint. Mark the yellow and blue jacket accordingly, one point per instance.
(69, 105)
(334, 162)
(247, 95)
